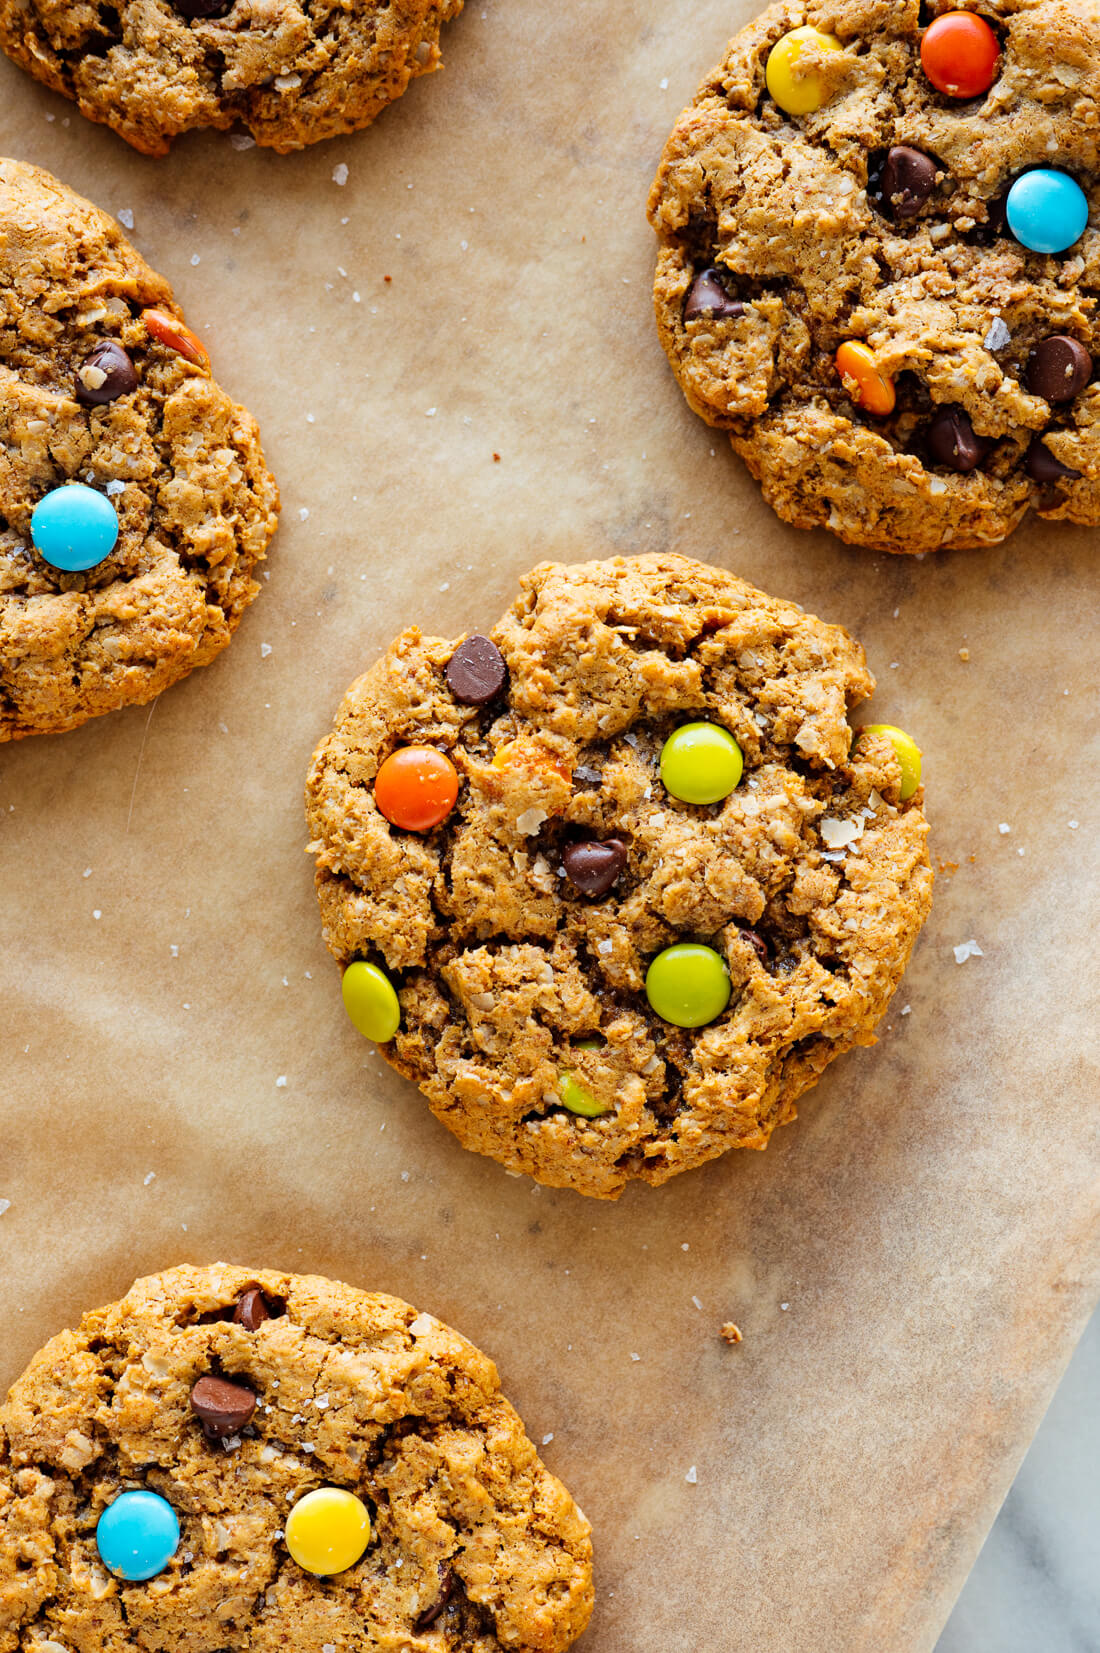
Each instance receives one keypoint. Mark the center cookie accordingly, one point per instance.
(616, 883)
(875, 270)
(236, 1462)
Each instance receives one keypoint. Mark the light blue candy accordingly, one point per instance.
(137, 1535)
(1047, 210)
(74, 527)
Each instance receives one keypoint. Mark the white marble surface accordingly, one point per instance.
(1036, 1585)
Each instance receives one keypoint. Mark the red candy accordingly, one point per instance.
(175, 336)
(959, 53)
(416, 788)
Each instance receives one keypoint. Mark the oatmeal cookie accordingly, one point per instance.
(616, 883)
(856, 279)
(162, 1465)
(290, 71)
(113, 435)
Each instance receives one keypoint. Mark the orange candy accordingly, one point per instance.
(416, 788)
(959, 54)
(529, 754)
(168, 331)
(872, 390)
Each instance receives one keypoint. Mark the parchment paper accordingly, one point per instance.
(910, 1263)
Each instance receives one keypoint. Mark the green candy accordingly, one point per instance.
(701, 763)
(688, 984)
(578, 1098)
(908, 754)
(370, 999)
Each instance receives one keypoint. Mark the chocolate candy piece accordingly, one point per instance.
(953, 442)
(708, 297)
(1059, 369)
(757, 943)
(428, 1617)
(251, 1310)
(1042, 466)
(476, 672)
(193, 10)
(908, 179)
(105, 374)
(223, 1408)
(592, 867)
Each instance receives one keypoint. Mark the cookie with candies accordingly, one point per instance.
(289, 74)
(135, 504)
(229, 1461)
(876, 270)
(614, 884)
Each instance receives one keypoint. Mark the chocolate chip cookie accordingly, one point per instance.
(875, 269)
(162, 1465)
(615, 883)
(135, 503)
(290, 71)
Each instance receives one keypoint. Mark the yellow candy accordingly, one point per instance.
(327, 1531)
(908, 754)
(797, 93)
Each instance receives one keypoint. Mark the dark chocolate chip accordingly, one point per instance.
(104, 375)
(757, 943)
(223, 1408)
(908, 180)
(592, 867)
(428, 1617)
(251, 1310)
(953, 442)
(708, 297)
(476, 672)
(1042, 467)
(193, 10)
(1059, 369)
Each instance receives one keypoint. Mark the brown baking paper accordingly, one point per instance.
(910, 1264)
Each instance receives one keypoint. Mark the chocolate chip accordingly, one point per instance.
(251, 1310)
(430, 1614)
(757, 943)
(953, 442)
(708, 297)
(105, 374)
(1059, 369)
(223, 1408)
(908, 179)
(1042, 466)
(476, 672)
(193, 10)
(592, 867)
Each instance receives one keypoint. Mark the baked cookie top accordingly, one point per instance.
(104, 387)
(507, 852)
(229, 1399)
(851, 277)
(290, 71)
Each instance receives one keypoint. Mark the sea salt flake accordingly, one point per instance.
(241, 141)
(635, 1357)
(697, 1303)
(303, 513)
(1004, 828)
(546, 1439)
(340, 174)
(5, 1205)
(126, 217)
(692, 1476)
(114, 487)
(967, 950)
(149, 1177)
(265, 650)
(280, 1083)
(605, 947)
(998, 335)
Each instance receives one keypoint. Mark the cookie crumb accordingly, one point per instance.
(732, 1333)
(964, 655)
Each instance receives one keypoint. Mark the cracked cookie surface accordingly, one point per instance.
(291, 71)
(790, 212)
(180, 460)
(475, 1546)
(509, 977)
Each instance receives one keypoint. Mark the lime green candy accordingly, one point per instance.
(688, 984)
(701, 763)
(578, 1098)
(371, 1001)
(908, 754)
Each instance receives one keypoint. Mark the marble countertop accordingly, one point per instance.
(1036, 1584)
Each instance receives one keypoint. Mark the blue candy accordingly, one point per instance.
(1047, 210)
(74, 527)
(137, 1535)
